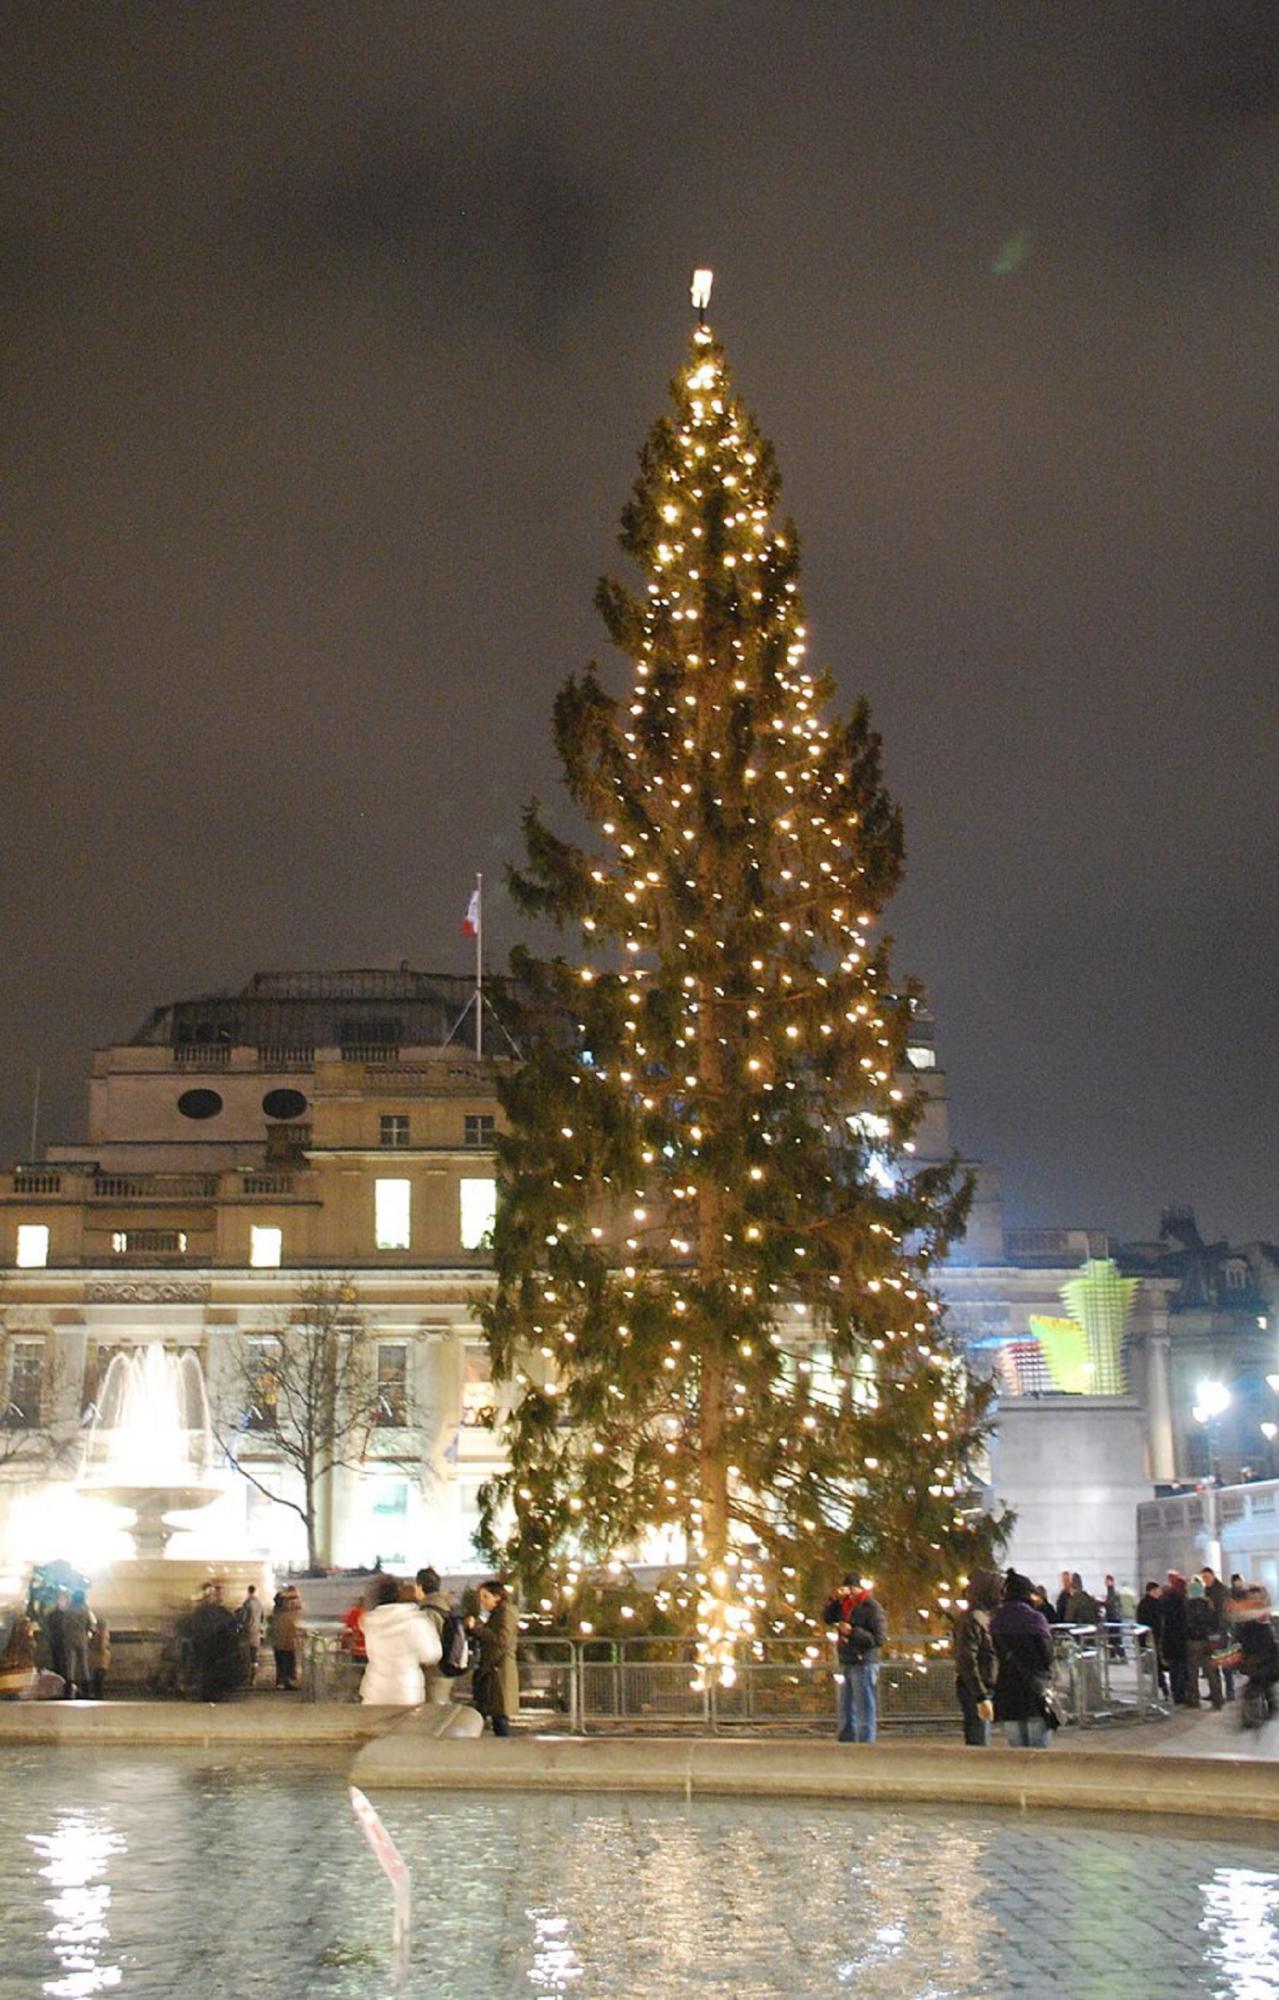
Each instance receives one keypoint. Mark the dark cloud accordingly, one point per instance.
(453, 227)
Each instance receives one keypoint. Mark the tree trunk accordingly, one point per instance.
(712, 1469)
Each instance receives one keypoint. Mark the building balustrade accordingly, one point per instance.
(202, 1055)
(154, 1187)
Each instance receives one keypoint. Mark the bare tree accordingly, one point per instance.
(305, 1393)
(38, 1427)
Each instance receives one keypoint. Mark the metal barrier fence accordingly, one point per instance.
(1101, 1673)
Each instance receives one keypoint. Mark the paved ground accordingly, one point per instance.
(1188, 1732)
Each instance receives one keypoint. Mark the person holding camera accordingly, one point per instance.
(860, 1630)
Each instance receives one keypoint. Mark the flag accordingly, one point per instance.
(471, 921)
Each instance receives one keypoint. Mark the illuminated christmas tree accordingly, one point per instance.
(713, 1249)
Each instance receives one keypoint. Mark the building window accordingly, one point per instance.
(25, 1405)
(284, 1104)
(149, 1242)
(393, 1128)
(33, 1246)
(1236, 1277)
(920, 1056)
(478, 1212)
(389, 1518)
(391, 1215)
(199, 1104)
(392, 1405)
(478, 1409)
(479, 1128)
(97, 1359)
(266, 1247)
(263, 1379)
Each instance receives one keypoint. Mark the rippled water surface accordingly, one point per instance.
(134, 1873)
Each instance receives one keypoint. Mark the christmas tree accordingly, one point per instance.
(713, 1250)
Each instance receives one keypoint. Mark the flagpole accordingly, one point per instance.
(479, 965)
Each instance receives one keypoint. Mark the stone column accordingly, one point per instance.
(1159, 1394)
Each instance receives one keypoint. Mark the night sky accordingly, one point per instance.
(331, 333)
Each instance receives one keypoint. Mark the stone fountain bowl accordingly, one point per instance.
(153, 1500)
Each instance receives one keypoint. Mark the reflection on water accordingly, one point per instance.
(1241, 1925)
(76, 1857)
(147, 1875)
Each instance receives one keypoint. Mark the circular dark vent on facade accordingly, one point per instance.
(284, 1104)
(199, 1104)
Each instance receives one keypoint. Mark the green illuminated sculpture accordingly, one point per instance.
(1085, 1353)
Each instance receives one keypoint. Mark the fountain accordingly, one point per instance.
(151, 1450)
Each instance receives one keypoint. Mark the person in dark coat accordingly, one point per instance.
(77, 1624)
(861, 1630)
(1063, 1597)
(495, 1682)
(975, 1664)
(1113, 1611)
(1219, 1597)
(214, 1637)
(1202, 1641)
(1024, 1651)
(55, 1636)
(1081, 1606)
(1172, 1633)
(1258, 1652)
(1150, 1614)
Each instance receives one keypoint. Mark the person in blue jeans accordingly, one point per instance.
(860, 1630)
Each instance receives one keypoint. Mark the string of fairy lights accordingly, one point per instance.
(740, 1049)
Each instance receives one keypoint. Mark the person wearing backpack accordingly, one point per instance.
(401, 1642)
(438, 1607)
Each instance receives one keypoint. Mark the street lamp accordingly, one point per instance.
(1213, 1400)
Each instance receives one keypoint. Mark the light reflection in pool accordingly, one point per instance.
(76, 1858)
(153, 1876)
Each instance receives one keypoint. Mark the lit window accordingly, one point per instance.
(26, 1384)
(391, 1214)
(149, 1242)
(478, 1212)
(479, 1128)
(920, 1056)
(393, 1129)
(262, 1381)
(33, 1245)
(265, 1247)
(478, 1409)
(392, 1405)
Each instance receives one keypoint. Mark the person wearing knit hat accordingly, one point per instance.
(1024, 1654)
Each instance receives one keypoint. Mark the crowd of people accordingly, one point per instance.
(1004, 1647)
(60, 1651)
(406, 1635)
(414, 1641)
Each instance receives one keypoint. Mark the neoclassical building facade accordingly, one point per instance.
(338, 1127)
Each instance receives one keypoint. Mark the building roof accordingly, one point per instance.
(365, 1006)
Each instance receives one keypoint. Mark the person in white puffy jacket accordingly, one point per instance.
(400, 1640)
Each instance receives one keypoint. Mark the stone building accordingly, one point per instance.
(338, 1127)
(238, 1146)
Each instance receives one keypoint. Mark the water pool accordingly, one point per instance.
(140, 1873)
